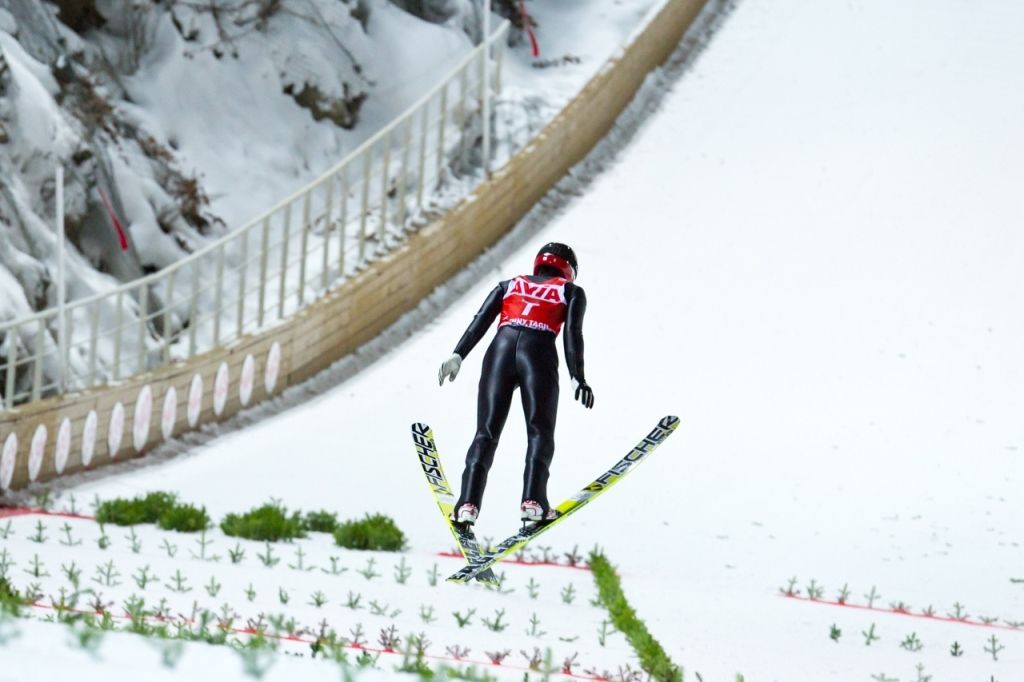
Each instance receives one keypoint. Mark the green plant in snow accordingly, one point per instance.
(317, 599)
(270, 522)
(300, 561)
(653, 658)
(125, 512)
(237, 554)
(73, 574)
(383, 610)
(844, 594)
(427, 614)
(872, 597)
(36, 568)
(184, 518)
(373, 532)
(6, 531)
(959, 612)
(603, 632)
(835, 633)
(534, 629)
(250, 592)
(870, 636)
(213, 587)
(368, 572)
(956, 651)
(464, 619)
(911, 642)
(107, 575)
(133, 540)
(320, 521)
(335, 568)
(496, 624)
(402, 572)
(179, 583)
(268, 558)
(533, 588)
(40, 535)
(569, 594)
(432, 576)
(994, 647)
(170, 548)
(68, 540)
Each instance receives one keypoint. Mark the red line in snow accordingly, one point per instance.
(309, 640)
(521, 562)
(895, 612)
(27, 511)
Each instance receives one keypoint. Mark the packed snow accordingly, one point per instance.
(811, 254)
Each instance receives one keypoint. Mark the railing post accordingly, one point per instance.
(284, 260)
(485, 93)
(328, 205)
(384, 181)
(12, 364)
(117, 335)
(168, 306)
(37, 375)
(143, 314)
(94, 333)
(443, 122)
(403, 178)
(499, 59)
(193, 310)
(62, 332)
(218, 304)
(343, 221)
(367, 159)
(463, 96)
(264, 253)
(304, 241)
(421, 166)
(240, 326)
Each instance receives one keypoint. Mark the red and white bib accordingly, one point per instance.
(534, 306)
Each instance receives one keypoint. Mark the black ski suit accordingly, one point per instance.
(524, 358)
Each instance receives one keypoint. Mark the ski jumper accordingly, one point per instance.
(532, 312)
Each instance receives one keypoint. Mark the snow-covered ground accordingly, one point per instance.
(812, 255)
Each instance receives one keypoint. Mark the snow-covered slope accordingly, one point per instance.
(812, 255)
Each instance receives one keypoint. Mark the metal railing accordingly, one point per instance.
(264, 271)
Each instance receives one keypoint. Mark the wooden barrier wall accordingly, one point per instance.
(64, 435)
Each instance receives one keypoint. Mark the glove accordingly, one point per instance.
(583, 392)
(449, 368)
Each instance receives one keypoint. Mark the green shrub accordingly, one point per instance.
(185, 518)
(373, 532)
(10, 599)
(124, 512)
(321, 521)
(653, 658)
(269, 522)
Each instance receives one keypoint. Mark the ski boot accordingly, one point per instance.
(466, 514)
(532, 512)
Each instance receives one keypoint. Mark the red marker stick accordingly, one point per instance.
(121, 236)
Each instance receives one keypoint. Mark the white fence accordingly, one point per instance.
(273, 265)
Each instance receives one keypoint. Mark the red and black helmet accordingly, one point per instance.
(557, 256)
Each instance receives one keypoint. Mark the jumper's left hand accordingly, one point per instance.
(584, 393)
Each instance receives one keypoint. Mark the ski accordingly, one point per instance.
(616, 473)
(430, 461)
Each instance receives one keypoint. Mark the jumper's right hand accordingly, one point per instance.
(449, 368)
(584, 393)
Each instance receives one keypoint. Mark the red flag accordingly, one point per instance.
(121, 236)
(534, 45)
